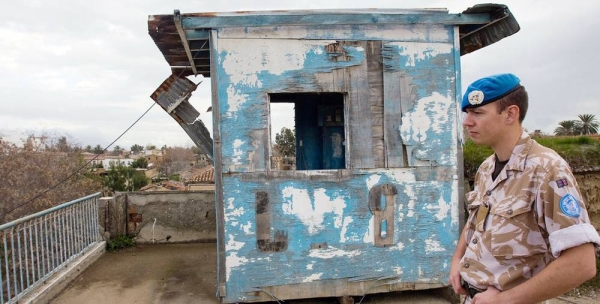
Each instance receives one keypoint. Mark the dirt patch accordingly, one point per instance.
(581, 296)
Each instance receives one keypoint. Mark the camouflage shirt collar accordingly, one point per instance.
(519, 153)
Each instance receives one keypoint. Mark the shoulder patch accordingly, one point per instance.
(570, 206)
(561, 182)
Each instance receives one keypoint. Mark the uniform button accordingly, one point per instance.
(474, 241)
(509, 212)
(488, 193)
(466, 265)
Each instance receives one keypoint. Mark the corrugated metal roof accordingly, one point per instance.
(480, 25)
(345, 11)
(163, 31)
(477, 36)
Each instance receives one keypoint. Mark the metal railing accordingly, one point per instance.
(35, 247)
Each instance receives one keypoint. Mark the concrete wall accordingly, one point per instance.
(589, 184)
(154, 217)
(111, 217)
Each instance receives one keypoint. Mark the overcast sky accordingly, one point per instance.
(86, 69)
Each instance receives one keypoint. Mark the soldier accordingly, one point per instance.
(528, 237)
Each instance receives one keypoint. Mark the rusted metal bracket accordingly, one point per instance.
(184, 41)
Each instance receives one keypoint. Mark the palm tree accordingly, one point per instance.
(588, 124)
(566, 127)
(98, 149)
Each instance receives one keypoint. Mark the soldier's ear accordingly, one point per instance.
(512, 112)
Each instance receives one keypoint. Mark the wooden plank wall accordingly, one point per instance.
(375, 79)
(289, 232)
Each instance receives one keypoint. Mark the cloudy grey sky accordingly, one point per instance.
(86, 69)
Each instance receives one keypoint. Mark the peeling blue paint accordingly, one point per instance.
(429, 125)
(327, 218)
(352, 257)
(254, 114)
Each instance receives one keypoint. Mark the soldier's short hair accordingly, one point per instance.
(519, 98)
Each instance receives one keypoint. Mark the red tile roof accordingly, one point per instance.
(206, 176)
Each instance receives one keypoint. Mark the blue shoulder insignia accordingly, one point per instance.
(570, 206)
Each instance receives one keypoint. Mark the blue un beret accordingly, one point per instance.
(488, 89)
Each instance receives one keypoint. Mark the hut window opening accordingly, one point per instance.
(319, 131)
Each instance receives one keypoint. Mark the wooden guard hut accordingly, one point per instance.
(373, 202)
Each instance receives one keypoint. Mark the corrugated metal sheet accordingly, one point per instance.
(173, 95)
(477, 36)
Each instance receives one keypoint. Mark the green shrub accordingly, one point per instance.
(119, 242)
(565, 142)
(584, 140)
(474, 155)
(581, 152)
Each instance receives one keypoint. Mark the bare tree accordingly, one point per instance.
(37, 176)
(176, 159)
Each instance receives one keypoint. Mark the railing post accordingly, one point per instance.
(1, 284)
(26, 255)
(53, 242)
(12, 251)
(88, 218)
(31, 254)
(37, 246)
(96, 226)
(6, 265)
(64, 235)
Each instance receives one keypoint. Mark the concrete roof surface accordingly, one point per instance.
(186, 273)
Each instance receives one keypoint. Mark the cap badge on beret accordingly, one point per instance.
(489, 89)
(476, 97)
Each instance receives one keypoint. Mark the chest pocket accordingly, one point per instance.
(514, 228)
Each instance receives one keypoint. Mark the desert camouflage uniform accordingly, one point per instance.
(526, 228)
